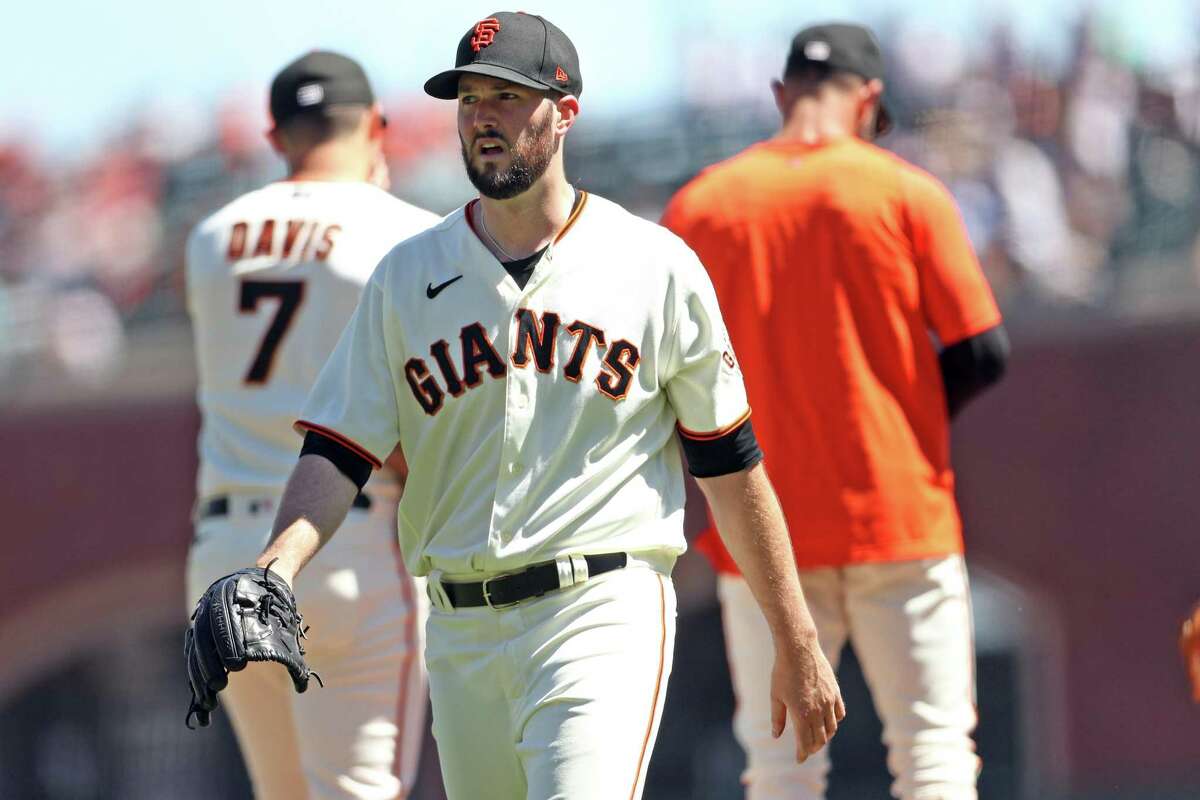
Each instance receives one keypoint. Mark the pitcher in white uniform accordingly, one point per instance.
(540, 356)
(272, 279)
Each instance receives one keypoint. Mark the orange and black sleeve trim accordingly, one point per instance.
(717, 434)
(723, 452)
(351, 460)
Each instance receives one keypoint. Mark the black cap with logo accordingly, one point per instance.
(842, 47)
(517, 47)
(316, 81)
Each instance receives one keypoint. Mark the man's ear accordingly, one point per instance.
(874, 89)
(377, 125)
(568, 110)
(780, 93)
(871, 95)
(276, 139)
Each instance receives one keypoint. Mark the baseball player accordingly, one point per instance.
(540, 356)
(834, 261)
(272, 279)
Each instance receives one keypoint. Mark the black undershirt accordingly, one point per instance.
(348, 462)
(972, 365)
(733, 452)
(522, 269)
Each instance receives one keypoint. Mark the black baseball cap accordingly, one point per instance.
(517, 47)
(316, 81)
(843, 47)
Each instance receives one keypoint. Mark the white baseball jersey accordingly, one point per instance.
(272, 279)
(540, 421)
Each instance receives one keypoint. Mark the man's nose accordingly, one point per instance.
(483, 116)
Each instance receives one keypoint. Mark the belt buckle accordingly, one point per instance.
(487, 596)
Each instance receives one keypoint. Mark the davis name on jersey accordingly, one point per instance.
(272, 279)
(535, 421)
(317, 237)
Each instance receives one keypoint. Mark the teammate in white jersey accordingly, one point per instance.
(272, 279)
(540, 355)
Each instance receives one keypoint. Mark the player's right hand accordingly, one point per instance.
(804, 688)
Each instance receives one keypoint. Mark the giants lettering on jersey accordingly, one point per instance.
(534, 344)
(306, 239)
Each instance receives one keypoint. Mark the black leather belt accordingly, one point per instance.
(534, 581)
(218, 506)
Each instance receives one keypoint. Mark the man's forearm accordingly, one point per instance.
(752, 526)
(314, 504)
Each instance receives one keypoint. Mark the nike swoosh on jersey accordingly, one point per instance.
(432, 291)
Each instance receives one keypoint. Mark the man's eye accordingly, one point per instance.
(467, 99)
(509, 96)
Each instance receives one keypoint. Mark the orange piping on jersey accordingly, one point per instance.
(400, 758)
(717, 434)
(662, 659)
(329, 433)
(583, 196)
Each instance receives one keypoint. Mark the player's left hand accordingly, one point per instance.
(803, 687)
(250, 615)
(1189, 646)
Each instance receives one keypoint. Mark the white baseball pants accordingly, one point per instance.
(911, 628)
(359, 736)
(557, 698)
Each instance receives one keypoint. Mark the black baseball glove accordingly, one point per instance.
(250, 615)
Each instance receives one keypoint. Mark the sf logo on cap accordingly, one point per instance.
(485, 33)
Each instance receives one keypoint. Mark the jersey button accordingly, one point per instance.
(522, 402)
(514, 467)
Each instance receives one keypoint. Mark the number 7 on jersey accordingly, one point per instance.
(290, 294)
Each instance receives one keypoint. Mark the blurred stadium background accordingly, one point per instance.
(1069, 133)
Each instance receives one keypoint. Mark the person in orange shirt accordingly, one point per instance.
(836, 263)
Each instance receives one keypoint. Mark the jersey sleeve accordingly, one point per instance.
(955, 297)
(702, 377)
(353, 401)
(195, 259)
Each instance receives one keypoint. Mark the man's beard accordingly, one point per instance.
(528, 161)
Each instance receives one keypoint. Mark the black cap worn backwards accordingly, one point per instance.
(517, 47)
(841, 47)
(316, 81)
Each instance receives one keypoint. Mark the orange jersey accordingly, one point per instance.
(832, 264)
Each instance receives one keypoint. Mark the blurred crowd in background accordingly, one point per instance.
(1078, 177)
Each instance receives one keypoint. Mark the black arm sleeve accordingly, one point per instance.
(972, 365)
(348, 462)
(733, 452)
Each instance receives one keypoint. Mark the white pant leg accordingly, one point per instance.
(359, 737)
(771, 769)
(595, 686)
(910, 624)
(472, 689)
(556, 699)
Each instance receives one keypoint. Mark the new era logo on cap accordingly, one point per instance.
(310, 94)
(817, 50)
(560, 75)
